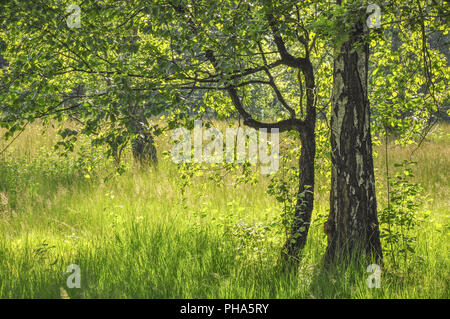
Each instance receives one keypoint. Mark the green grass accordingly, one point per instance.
(133, 237)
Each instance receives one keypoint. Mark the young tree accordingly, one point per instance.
(245, 19)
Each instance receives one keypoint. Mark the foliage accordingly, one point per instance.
(400, 219)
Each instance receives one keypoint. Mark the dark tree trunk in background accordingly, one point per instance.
(143, 146)
(144, 150)
(352, 227)
(2, 62)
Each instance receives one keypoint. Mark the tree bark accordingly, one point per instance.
(352, 227)
(143, 146)
(144, 150)
(305, 197)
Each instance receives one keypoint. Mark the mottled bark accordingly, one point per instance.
(305, 199)
(352, 227)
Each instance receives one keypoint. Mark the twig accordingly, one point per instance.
(15, 138)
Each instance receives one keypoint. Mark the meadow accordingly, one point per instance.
(135, 235)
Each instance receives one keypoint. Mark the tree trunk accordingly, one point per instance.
(352, 227)
(144, 150)
(143, 146)
(305, 198)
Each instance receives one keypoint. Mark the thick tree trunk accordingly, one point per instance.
(352, 227)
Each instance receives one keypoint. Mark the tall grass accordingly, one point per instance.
(134, 237)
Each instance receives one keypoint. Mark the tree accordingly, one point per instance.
(233, 77)
(143, 145)
(352, 226)
(49, 59)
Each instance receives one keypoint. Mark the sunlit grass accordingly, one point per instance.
(133, 237)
